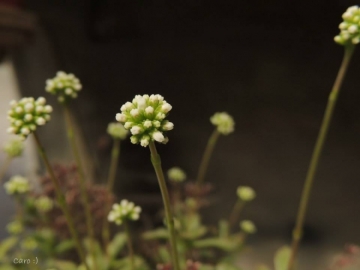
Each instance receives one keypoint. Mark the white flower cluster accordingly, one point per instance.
(176, 174)
(350, 27)
(224, 122)
(66, 86)
(145, 118)
(17, 185)
(14, 148)
(124, 211)
(117, 131)
(248, 227)
(245, 193)
(26, 114)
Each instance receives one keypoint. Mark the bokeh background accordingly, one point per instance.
(270, 64)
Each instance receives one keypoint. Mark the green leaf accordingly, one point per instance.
(7, 244)
(227, 244)
(262, 267)
(223, 228)
(117, 244)
(226, 266)
(7, 267)
(64, 246)
(62, 265)
(124, 264)
(282, 257)
(160, 233)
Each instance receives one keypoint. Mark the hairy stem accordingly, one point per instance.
(206, 156)
(156, 161)
(297, 233)
(110, 185)
(130, 245)
(4, 168)
(62, 202)
(235, 213)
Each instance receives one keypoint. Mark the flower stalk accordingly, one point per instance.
(206, 156)
(156, 162)
(5, 166)
(297, 233)
(62, 202)
(235, 213)
(130, 245)
(115, 152)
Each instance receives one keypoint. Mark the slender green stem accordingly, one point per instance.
(62, 202)
(83, 191)
(5, 167)
(235, 213)
(110, 185)
(206, 156)
(130, 245)
(297, 233)
(156, 161)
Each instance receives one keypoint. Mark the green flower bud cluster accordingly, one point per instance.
(65, 86)
(145, 118)
(44, 204)
(15, 227)
(350, 27)
(27, 114)
(176, 174)
(14, 148)
(17, 185)
(29, 243)
(248, 227)
(124, 211)
(224, 122)
(117, 131)
(245, 193)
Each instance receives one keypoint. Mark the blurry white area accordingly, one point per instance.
(27, 164)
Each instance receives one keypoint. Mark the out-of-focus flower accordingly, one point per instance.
(224, 122)
(17, 185)
(176, 174)
(245, 193)
(65, 86)
(29, 243)
(145, 118)
(25, 115)
(15, 227)
(248, 226)
(124, 211)
(14, 148)
(44, 204)
(350, 27)
(117, 131)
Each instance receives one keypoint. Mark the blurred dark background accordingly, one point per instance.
(270, 64)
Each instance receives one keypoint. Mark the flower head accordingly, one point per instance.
(350, 27)
(145, 118)
(245, 193)
(248, 226)
(27, 114)
(44, 204)
(15, 227)
(65, 86)
(29, 243)
(117, 131)
(176, 174)
(123, 211)
(14, 148)
(224, 122)
(17, 185)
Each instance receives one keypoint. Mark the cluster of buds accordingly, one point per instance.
(17, 185)
(44, 204)
(145, 118)
(350, 27)
(123, 211)
(14, 148)
(15, 227)
(117, 131)
(65, 86)
(223, 122)
(27, 114)
(29, 243)
(245, 193)
(176, 174)
(248, 227)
